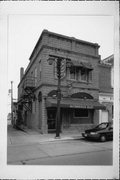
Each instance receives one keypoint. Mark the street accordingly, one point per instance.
(36, 149)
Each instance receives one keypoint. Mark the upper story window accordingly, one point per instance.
(112, 77)
(79, 74)
(73, 73)
(35, 76)
(84, 75)
(40, 69)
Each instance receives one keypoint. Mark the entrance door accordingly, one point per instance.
(51, 119)
(104, 116)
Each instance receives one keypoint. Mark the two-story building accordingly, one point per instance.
(37, 90)
(106, 85)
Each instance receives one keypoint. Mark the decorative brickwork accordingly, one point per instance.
(68, 48)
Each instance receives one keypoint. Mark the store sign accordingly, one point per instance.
(81, 106)
(77, 106)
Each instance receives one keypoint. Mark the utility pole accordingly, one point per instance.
(12, 102)
(60, 69)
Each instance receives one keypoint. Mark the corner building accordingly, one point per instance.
(37, 90)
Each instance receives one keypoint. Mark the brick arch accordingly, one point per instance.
(52, 93)
(82, 95)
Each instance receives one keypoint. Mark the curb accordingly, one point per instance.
(60, 139)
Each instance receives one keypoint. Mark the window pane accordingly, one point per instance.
(81, 113)
(83, 75)
(90, 75)
(35, 75)
(72, 73)
(40, 69)
(77, 74)
(68, 73)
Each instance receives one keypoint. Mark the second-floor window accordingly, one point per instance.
(112, 77)
(84, 75)
(79, 74)
(40, 69)
(35, 76)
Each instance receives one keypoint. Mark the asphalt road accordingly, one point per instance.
(90, 158)
(69, 152)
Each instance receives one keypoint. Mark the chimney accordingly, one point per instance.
(21, 73)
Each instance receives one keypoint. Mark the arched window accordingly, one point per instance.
(40, 96)
(52, 93)
(82, 95)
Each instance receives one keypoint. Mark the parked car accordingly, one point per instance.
(102, 132)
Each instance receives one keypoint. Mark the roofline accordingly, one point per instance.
(62, 36)
(104, 65)
(109, 57)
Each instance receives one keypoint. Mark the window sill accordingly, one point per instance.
(84, 82)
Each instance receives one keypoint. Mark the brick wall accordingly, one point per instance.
(105, 78)
(59, 45)
(65, 47)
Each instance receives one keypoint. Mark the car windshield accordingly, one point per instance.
(102, 126)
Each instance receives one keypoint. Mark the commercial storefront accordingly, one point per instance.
(37, 90)
(75, 112)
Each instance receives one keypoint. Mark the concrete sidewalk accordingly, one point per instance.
(18, 137)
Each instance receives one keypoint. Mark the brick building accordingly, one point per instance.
(106, 82)
(37, 95)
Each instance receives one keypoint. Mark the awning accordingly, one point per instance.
(86, 65)
(70, 103)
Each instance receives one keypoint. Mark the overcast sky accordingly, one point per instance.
(24, 31)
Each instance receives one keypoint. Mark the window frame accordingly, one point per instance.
(40, 70)
(78, 76)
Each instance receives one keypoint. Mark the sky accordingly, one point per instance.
(24, 31)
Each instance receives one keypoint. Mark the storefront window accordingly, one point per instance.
(80, 113)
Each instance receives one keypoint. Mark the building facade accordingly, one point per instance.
(37, 90)
(106, 85)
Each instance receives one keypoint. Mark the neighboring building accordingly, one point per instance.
(106, 80)
(37, 93)
(14, 113)
(9, 119)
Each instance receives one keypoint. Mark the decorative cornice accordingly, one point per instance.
(69, 51)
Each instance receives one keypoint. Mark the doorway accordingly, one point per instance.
(104, 116)
(51, 118)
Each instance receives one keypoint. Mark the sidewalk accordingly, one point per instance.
(27, 136)
(31, 147)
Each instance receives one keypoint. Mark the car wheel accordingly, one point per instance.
(103, 138)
